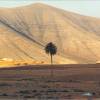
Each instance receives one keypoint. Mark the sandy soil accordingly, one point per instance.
(46, 82)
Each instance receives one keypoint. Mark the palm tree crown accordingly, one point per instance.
(51, 48)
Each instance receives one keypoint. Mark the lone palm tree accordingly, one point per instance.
(51, 49)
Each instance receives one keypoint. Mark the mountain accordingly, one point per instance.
(24, 32)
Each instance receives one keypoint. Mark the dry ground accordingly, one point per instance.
(46, 82)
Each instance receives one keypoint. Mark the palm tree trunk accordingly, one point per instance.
(51, 59)
(51, 68)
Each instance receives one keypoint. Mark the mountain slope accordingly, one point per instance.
(24, 32)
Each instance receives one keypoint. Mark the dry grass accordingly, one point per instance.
(19, 63)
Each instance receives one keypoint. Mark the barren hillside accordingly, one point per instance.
(24, 31)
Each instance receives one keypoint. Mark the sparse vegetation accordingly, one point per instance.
(24, 92)
(78, 90)
(4, 94)
(4, 84)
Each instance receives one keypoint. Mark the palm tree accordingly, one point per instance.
(51, 49)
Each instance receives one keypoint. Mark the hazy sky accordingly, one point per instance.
(86, 7)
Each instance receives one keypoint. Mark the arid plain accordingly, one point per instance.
(50, 82)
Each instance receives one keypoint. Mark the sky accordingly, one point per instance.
(84, 7)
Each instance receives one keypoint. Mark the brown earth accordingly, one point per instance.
(45, 82)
